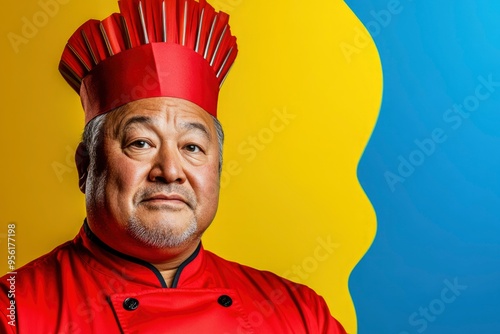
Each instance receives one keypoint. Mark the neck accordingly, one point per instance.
(169, 268)
(168, 276)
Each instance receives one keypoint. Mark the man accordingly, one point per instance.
(149, 165)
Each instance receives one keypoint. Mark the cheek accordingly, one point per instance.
(206, 185)
(126, 176)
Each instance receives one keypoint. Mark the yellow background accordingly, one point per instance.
(289, 187)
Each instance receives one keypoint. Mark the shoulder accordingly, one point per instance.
(269, 285)
(27, 289)
(45, 268)
(272, 296)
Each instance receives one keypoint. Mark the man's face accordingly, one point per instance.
(158, 184)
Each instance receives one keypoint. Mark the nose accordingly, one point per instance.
(167, 166)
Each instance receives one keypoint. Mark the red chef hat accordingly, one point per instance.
(170, 48)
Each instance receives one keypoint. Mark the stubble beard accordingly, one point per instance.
(162, 234)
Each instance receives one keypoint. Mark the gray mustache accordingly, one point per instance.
(166, 189)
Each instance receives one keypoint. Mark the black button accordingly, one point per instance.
(130, 304)
(225, 301)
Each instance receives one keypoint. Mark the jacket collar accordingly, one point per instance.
(111, 262)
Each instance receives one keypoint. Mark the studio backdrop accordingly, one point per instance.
(360, 155)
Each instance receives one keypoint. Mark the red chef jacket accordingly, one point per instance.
(84, 286)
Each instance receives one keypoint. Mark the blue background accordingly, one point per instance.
(438, 221)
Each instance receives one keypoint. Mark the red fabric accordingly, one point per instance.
(151, 70)
(80, 287)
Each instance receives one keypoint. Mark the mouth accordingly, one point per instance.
(163, 199)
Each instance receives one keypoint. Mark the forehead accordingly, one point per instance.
(159, 110)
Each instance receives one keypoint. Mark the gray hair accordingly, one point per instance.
(93, 137)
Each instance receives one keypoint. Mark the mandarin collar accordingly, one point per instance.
(99, 256)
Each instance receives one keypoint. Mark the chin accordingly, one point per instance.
(165, 233)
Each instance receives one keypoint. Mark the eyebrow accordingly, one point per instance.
(132, 121)
(196, 126)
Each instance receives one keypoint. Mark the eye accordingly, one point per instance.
(193, 148)
(140, 144)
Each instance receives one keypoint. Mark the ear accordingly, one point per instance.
(82, 160)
